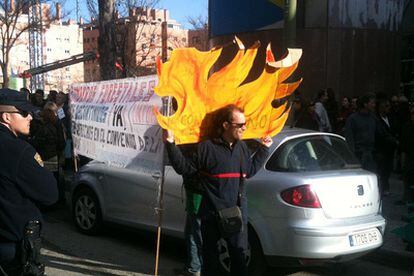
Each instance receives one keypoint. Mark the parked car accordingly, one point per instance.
(311, 201)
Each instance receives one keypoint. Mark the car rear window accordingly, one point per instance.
(312, 153)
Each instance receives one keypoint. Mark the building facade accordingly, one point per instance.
(199, 39)
(61, 40)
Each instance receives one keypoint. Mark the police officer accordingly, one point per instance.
(24, 185)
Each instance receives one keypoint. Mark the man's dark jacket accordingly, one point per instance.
(24, 184)
(220, 167)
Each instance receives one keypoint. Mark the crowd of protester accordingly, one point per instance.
(50, 132)
(378, 129)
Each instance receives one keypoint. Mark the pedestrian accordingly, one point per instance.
(385, 147)
(295, 112)
(354, 106)
(192, 229)
(47, 137)
(24, 185)
(360, 132)
(37, 98)
(324, 123)
(222, 163)
(331, 106)
(51, 97)
(343, 115)
(407, 150)
(304, 115)
(64, 116)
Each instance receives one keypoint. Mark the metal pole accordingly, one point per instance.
(290, 24)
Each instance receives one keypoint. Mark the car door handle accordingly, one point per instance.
(156, 175)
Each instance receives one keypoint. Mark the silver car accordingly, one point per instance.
(310, 202)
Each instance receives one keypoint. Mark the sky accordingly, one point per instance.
(179, 9)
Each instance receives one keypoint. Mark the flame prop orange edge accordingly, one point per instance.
(185, 77)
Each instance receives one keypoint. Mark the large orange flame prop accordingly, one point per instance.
(185, 77)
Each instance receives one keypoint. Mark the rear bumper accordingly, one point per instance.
(328, 242)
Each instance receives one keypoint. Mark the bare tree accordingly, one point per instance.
(106, 40)
(198, 22)
(137, 37)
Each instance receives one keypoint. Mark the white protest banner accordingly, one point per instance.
(113, 122)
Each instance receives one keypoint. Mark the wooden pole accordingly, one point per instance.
(160, 208)
(167, 112)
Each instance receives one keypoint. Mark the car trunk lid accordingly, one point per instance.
(346, 195)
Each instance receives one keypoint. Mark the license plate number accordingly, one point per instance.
(362, 238)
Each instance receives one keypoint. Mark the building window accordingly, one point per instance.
(183, 39)
(196, 40)
(67, 51)
(144, 46)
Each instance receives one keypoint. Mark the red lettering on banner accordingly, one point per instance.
(124, 95)
(143, 114)
(83, 94)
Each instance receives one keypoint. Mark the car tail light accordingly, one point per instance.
(302, 196)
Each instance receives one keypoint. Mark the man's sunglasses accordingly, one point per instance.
(239, 125)
(21, 112)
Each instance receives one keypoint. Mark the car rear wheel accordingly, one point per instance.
(86, 212)
(255, 259)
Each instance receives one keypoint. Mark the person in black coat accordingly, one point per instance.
(407, 149)
(24, 184)
(385, 145)
(222, 163)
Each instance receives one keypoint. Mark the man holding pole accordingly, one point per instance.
(222, 163)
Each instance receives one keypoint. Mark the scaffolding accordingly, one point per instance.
(36, 42)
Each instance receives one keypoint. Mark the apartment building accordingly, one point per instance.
(61, 40)
(199, 39)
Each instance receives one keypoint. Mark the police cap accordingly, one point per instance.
(10, 99)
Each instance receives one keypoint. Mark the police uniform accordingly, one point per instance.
(24, 184)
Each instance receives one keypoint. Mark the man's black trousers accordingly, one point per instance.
(237, 247)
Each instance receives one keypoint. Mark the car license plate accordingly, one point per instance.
(362, 238)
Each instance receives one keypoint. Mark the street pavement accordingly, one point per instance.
(393, 250)
(119, 251)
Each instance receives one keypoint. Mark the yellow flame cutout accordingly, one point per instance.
(185, 77)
